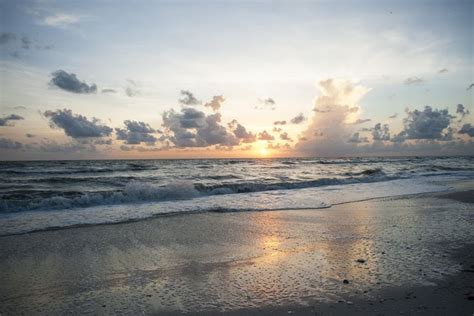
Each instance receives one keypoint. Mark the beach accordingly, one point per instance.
(397, 255)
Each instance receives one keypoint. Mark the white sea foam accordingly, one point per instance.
(304, 198)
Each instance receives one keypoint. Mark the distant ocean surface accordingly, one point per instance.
(41, 195)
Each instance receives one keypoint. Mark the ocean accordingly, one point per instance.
(41, 195)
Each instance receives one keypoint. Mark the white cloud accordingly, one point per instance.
(334, 111)
(60, 19)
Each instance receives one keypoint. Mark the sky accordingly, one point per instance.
(201, 79)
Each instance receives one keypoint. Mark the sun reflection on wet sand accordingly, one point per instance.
(223, 262)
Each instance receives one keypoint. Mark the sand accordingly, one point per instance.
(403, 255)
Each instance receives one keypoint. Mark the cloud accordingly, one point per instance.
(132, 88)
(279, 123)
(215, 134)
(298, 119)
(136, 133)
(216, 103)
(393, 116)
(192, 118)
(6, 143)
(188, 98)
(413, 80)
(356, 138)
(278, 146)
(461, 109)
(285, 136)
(380, 132)
(25, 42)
(192, 128)
(361, 121)
(101, 141)
(76, 125)
(108, 90)
(241, 132)
(16, 42)
(277, 129)
(5, 121)
(67, 148)
(266, 104)
(470, 86)
(6, 37)
(60, 20)
(330, 127)
(265, 136)
(467, 129)
(426, 124)
(443, 70)
(69, 82)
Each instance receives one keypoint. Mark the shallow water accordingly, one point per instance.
(235, 261)
(42, 195)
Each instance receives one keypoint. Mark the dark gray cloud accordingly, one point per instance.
(361, 121)
(188, 98)
(213, 133)
(127, 148)
(241, 132)
(70, 83)
(279, 123)
(108, 90)
(192, 128)
(395, 115)
(6, 37)
(298, 119)
(461, 109)
(136, 133)
(467, 129)
(216, 103)
(25, 42)
(470, 86)
(30, 135)
(413, 80)
(265, 136)
(131, 90)
(6, 143)
(52, 146)
(426, 124)
(443, 70)
(6, 120)
(381, 132)
(356, 138)
(76, 125)
(269, 101)
(266, 104)
(277, 129)
(102, 141)
(192, 118)
(285, 136)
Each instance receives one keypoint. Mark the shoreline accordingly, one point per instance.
(458, 185)
(265, 262)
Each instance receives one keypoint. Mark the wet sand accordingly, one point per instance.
(403, 255)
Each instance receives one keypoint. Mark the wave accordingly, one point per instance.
(308, 198)
(140, 192)
(366, 172)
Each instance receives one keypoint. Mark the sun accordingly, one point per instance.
(263, 152)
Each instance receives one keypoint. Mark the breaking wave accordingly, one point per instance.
(140, 192)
